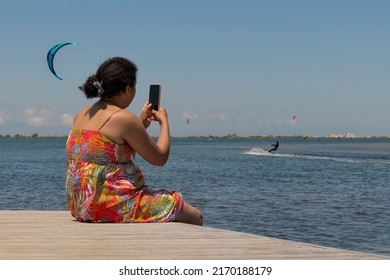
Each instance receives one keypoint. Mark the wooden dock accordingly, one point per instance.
(55, 235)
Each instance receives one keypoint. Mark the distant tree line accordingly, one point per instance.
(32, 136)
(228, 136)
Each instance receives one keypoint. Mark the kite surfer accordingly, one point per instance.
(275, 147)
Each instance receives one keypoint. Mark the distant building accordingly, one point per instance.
(335, 136)
(349, 135)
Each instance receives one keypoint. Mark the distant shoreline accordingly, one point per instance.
(209, 137)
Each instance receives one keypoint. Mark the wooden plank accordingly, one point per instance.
(56, 235)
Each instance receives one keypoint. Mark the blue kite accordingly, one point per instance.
(52, 52)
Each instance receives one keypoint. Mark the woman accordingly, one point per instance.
(103, 183)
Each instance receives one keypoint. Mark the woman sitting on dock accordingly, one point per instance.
(103, 184)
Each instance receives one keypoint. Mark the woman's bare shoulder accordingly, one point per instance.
(126, 119)
(125, 115)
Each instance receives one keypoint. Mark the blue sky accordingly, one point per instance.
(242, 67)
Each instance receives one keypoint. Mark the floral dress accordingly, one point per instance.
(104, 185)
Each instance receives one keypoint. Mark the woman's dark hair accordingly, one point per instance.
(113, 76)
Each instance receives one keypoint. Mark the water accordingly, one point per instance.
(327, 192)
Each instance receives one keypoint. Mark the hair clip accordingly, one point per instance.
(99, 87)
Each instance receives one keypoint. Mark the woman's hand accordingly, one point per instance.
(146, 114)
(161, 115)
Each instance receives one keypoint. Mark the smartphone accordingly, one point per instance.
(154, 96)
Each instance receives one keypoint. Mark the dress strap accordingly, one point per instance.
(74, 119)
(108, 119)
